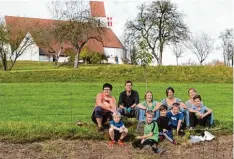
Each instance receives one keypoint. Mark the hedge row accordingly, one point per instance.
(120, 73)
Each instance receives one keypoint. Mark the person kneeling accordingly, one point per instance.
(117, 130)
(199, 114)
(150, 137)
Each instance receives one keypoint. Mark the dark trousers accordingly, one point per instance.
(202, 122)
(101, 113)
(138, 144)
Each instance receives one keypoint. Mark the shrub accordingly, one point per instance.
(91, 57)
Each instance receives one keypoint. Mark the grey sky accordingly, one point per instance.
(210, 16)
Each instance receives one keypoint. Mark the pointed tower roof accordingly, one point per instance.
(97, 9)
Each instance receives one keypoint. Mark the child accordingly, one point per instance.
(117, 129)
(199, 114)
(175, 118)
(150, 137)
(163, 124)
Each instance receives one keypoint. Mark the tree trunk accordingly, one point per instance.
(4, 62)
(224, 59)
(76, 61)
(232, 61)
(201, 63)
(160, 54)
(177, 61)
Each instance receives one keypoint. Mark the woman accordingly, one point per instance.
(148, 104)
(172, 99)
(189, 103)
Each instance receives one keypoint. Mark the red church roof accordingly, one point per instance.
(97, 9)
(109, 39)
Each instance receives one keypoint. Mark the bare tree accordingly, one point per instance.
(201, 46)
(159, 23)
(75, 25)
(3, 45)
(15, 39)
(227, 38)
(47, 40)
(178, 50)
(130, 44)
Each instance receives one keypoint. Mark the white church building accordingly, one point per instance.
(110, 45)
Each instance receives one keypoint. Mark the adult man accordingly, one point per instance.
(104, 107)
(128, 100)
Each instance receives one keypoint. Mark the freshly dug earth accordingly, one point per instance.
(221, 148)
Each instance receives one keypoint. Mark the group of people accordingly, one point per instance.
(159, 118)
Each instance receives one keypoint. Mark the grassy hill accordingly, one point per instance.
(25, 72)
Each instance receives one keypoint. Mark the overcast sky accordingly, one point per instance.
(209, 16)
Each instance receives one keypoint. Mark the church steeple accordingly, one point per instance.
(97, 10)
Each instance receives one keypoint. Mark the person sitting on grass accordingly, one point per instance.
(163, 125)
(148, 104)
(175, 118)
(128, 100)
(199, 114)
(170, 93)
(150, 137)
(117, 130)
(190, 102)
(104, 107)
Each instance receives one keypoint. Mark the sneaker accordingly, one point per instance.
(101, 129)
(157, 150)
(161, 138)
(120, 142)
(174, 142)
(111, 143)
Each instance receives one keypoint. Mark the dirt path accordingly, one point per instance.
(221, 148)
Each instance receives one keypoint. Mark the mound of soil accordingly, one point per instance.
(221, 148)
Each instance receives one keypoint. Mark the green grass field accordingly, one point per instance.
(37, 111)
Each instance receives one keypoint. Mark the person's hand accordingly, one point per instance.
(129, 109)
(198, 114)
(202, 116)
(121, 129)
(113, 110)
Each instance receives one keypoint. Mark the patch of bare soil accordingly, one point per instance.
(221, 147)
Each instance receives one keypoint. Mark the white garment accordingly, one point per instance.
(208, 136)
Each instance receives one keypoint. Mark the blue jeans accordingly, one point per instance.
(141, 115)
(168, 134)
(186, 115)
(212, 119)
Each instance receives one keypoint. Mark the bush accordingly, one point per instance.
(91, 57)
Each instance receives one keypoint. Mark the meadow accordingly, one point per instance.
(38, 111)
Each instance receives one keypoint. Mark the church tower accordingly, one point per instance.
(97, 9)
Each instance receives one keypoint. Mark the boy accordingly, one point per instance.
(150, 137)
(117, 129)
(163, 124)
(175, 118)
(199, 114)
